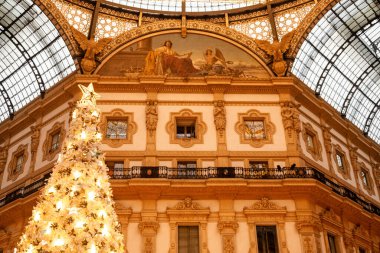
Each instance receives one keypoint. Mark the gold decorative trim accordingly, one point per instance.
(200, 128)
(3, 158)
(346, 172)
(241, 128)
(46, 153)
(316, 151)
(118, 114)
(21, 150)
(370, 187)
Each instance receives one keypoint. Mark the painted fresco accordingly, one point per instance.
(172, 55)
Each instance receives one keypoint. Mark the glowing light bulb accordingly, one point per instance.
(79, 224)
(100, 163)
(58, 242)
(48, 229)
(83, 135)
(98, 136)
(98, 183)
(76, 174)
(91, 195)
(59, 160)
(95, 114)
(37, 216)
(51, 189)
(74, 114)
(93, 249)
(30, 249)
(59, 205)
(105, 231)
(102, 213)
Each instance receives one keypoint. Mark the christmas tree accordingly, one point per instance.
(75, 212)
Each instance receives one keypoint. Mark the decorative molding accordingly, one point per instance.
(370, 187)
(266, 204)
(220, 117)
(21, 150)
(346, 173)
(149, 225)
(290, 117)
(151, 116)
(118, 114)
(47, 154)
(327, 139)
(200, 128)
(241, 128)
(187, 204)
(3, 158)
(188, 213)
(316, 150)
(305, 221)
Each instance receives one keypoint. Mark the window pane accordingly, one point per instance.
(188, 239)
(332, 245)
(117, 129)
(254, 129)
(267, 239)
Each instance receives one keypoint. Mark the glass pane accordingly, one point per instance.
(267, 239)
(332, 245)
(188, 239)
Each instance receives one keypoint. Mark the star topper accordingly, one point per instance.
(88, 93)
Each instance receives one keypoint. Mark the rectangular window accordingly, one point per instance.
(267, 239)
(258, 164)
(117, 129)
(254, 129)
(188, 239)
(332, 243)
(340, 161)
(361, 250)
(185, 128)
(55, 141)
(310, 141)
(19, 162)
(364, 176)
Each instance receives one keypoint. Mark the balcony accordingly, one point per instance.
(162, 172)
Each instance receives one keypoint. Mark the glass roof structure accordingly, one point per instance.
(33, 56)
(339, 60)
(190, 5)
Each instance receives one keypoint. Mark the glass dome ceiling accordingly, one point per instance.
(33, 56)
(190, 5)
(339, 60)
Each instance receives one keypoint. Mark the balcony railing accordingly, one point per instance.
(209, 173)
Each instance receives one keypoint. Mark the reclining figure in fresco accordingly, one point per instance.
(164, 60)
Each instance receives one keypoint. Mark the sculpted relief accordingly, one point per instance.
(194, 56)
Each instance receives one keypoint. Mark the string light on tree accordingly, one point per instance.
(75, 212)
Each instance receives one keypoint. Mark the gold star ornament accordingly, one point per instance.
(88, 93)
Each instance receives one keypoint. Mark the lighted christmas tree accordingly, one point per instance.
(75, 212)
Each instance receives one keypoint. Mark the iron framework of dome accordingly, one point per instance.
(339, 60)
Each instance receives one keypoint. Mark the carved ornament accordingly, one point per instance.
(118, 114)
(266, 204)
(290, 117)
(3, 158)
(308, 221)
(187, 204)
(277, 50)
(316, 149)
(149, 226)
(22, 150)
(242, 129)
(48, 154)
(327, 139)
(200, 128)
(151, 116)
(220, 117)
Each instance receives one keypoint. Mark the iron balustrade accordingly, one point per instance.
(164, 172)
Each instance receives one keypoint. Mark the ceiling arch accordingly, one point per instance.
(340, 60)
(33, 55)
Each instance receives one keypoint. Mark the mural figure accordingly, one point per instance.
(216, 63)
(164, 60)
(170, 55)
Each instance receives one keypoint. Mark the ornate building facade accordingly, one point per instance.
(213, 144)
